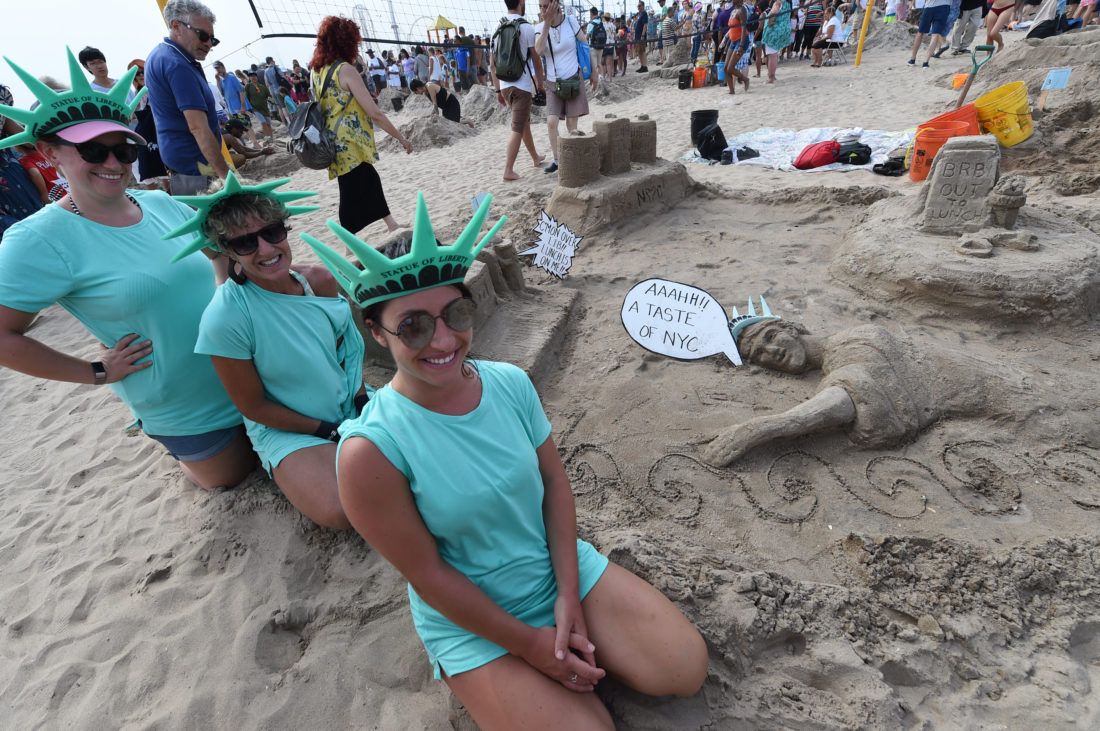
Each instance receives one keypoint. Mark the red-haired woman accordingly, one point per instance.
(350, 111)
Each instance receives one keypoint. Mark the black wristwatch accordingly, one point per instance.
(100, 372)
(329, 431)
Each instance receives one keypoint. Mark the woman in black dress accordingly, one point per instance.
(442, 100)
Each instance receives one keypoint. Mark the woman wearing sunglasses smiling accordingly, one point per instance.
(452, 475)
(97, 252)
(282, 341)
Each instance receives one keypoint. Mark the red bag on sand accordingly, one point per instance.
(818, 154)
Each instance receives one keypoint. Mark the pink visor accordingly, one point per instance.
(90, 130)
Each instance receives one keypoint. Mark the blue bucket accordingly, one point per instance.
(721, 70)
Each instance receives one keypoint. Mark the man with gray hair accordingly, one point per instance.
(183, 104)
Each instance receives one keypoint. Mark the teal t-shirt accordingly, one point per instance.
(122, 280)
(306, 350)
(476, 483)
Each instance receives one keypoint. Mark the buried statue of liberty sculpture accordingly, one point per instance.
(879, 386)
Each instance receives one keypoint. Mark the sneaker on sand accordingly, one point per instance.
(642, 69)
(960, 51)
(924, 65)
(912, 62)
(940, 51)
(551, 168)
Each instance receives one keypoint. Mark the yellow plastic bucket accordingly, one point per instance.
(1006, 113)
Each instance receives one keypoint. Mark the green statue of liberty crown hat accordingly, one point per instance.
(740, 322)
(426, 265)
(77, 115)
(203, 204)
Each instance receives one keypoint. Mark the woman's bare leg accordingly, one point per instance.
(228, 468)
(831, 407)
(509, 694)
(641, 638)
(308, 479)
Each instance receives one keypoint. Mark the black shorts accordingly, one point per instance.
(831, 45)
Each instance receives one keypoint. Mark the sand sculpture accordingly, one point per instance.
(613, 174)
(881, 387)
(970, 245)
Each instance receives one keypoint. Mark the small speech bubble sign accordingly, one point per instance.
(677, 320)
(555, 248)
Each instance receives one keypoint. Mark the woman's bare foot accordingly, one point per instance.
(745, 81)
(538, 163)
(511, 175)
(392, 225)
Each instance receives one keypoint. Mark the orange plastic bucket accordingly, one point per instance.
(699, 78)
(930, 138)
(967, 113)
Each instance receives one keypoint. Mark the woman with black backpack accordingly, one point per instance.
(351, 112)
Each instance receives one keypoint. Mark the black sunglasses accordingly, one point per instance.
(418, 328)
(273, 233)
(97, 152)
(202, 35)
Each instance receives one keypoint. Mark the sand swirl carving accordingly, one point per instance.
(990, 477)
(1076, 474)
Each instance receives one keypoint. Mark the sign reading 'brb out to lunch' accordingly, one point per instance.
(965, 171)
(677, 320)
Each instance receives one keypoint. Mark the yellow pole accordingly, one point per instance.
(225, 150)
(867, 13)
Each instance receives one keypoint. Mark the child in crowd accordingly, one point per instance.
(43, 174)
(288, 100)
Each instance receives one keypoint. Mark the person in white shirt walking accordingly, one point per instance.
(518, 91)
(557, 37)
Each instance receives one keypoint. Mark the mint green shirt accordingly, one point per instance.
(306, 349)
(117, 281)
(476, 483)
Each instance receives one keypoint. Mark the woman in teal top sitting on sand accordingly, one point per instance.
(98, 253)
(282, 340)
(452, 475)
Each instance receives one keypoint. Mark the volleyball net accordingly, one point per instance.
(396, 22)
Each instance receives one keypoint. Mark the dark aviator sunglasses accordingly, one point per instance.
(202, 35)
(273, 233)
(96, 152)
(418, 328)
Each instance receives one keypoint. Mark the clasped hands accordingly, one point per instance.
(551, 649)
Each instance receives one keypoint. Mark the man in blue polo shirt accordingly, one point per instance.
(183, 104)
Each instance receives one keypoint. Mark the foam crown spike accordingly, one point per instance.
(58, 110)
(426, 265)
(203, 204)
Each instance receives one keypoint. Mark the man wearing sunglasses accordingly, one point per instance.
(182, 101)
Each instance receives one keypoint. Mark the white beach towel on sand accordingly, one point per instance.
(779, 147)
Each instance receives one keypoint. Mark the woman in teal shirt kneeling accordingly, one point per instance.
(282, 340)
(452, 475)
(98, 253)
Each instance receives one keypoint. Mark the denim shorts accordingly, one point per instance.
(934, 20)
(198, 447)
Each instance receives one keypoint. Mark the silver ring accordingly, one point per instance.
(572, 677)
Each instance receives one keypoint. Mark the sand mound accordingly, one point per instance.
(280, 165)
(480, 106)
(386, 97)
(889, 35)
(613, 92)
(430, 131)
(417, 105)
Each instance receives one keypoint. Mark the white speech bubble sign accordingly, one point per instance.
(555, 248)
(678, 320)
